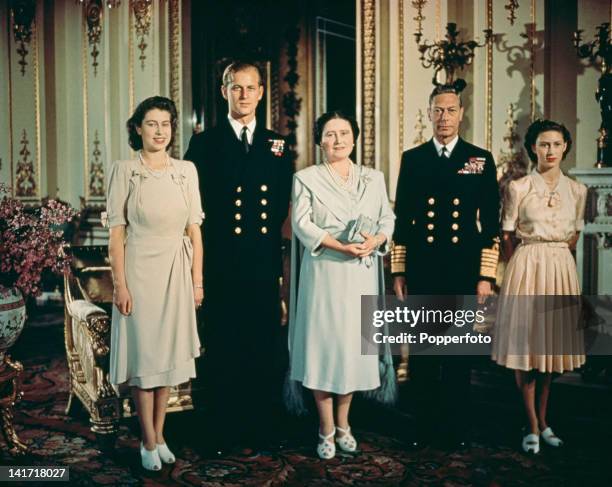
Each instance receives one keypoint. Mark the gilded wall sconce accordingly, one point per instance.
(600, 50)
(450, 55)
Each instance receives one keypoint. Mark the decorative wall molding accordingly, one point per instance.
(143, 14)
(24, 116)
(509, 158)
(291, 102)
(368, 59)
(131, 82)
(511, 6)
(23, 16)
(97, 184)
(419, 18)
(95, 116)
(419, 128)
(174, 39)
(25, 183)
(94, 15)
(438, 32)
(86, 85)
(532, 54)
(489, 81)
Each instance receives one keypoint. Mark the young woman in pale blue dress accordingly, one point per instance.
(155, 249)
(325, 333)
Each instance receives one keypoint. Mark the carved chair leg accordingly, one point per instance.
(103, 426)
(15, 446)
(106, 434)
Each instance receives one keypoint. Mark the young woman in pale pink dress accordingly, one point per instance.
(155, 250)
(545, 211)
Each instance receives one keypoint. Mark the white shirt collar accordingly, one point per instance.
(449, 147)
(237, 126)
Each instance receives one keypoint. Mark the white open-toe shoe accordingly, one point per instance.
(327, 450)
(531, 443)
(550, 438)
(347, 441)
(165, 454)
(150, 458)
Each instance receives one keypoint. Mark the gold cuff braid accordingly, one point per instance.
(398, 259)
(489, 258)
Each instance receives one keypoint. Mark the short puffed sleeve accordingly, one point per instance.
(510, 210)
(117, 192)
(196, 215)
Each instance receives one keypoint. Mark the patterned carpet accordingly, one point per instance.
(58, 440)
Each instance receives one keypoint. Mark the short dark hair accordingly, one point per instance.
(234, 67)
(159, 102)
(539, 126)
(443, 89)
(326, 117)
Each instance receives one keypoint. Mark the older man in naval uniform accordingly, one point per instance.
(446, 244)
(245, 175)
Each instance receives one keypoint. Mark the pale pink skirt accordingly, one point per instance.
(534, 329)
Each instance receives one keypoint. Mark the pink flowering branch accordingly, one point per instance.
(30, 241)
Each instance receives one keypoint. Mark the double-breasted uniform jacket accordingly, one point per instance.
(447, 230)
(245, 202)
(245, 198)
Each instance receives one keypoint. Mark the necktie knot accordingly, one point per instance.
(245, 140)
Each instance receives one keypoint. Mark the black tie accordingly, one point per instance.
(444, 152)
(245, 140)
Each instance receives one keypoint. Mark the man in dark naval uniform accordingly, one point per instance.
(446, 243)
(245, 177)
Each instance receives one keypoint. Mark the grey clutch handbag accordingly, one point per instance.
(363, 224)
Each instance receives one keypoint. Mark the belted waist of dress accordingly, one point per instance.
(547, 243)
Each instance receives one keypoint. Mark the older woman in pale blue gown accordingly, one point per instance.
(337, 268)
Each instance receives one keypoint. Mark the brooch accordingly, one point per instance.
(178, 178)
(278, 146)
(475, 165)
(365, 178)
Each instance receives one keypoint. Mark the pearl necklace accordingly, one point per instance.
(345, 184)
(157, 173)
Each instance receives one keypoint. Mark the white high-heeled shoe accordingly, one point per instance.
(550, 438)
(347, 441)
(531, 443)
(149, 458)
(327, 449)
(165, 454)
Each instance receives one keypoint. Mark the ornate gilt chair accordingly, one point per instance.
(88, 294)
